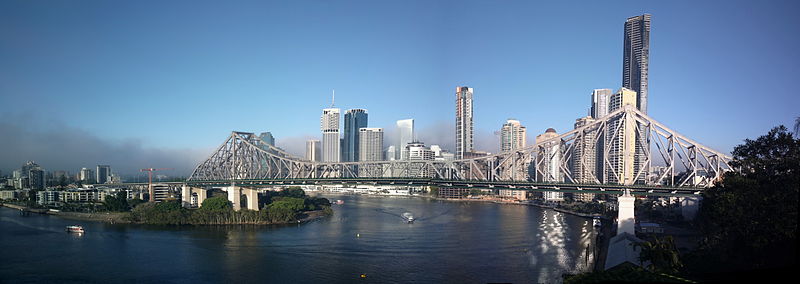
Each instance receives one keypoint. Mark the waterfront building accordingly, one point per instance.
(370, 149)
(313, 151)
(354, 120)
(513, 136)
(162, 192)
(636, 58)
(600, 98)
(103, 174)
(464, 123)
(513, 194)
(47, 197)
(370, 144)
(583, 163)
(621, 143)
(329, 125)
(548, 164)
(416, 151)
(405, 131)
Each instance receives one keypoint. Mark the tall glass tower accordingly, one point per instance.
(636, 58)
(463, 121)
(354, 119)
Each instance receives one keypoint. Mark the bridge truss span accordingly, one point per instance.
(627, 142)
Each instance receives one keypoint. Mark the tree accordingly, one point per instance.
(118, 202)
(216, 204)
(661, 255)
(749, 219)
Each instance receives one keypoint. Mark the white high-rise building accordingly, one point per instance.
(329, 124)
(391, 153)
(584, 158)
(600, 99)
(85, 175)
(464, 123)
(621, 142)
(405, 129)
(512, 136)
(313, 151)
(549, 169)
(370, 144)
(416, 151)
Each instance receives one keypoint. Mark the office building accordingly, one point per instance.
(583, 163)
(103, 174)
(86, 175)
(370, 144)
(405, 134)
(464, 123)
(549, 162)
(329, 124)
(313, 151)
(600, 99)
(636, 58)
(621, 143)
(513, 136)
(354, 120)
(391, 153)
(267, 138)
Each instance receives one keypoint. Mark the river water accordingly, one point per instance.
(450, 242)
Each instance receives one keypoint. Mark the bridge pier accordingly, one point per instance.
(202, 194)
(186, 196)
(252, 198)
(234, 196)
(626, 222)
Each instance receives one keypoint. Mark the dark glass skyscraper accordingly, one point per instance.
(354, 119)
(636, 58)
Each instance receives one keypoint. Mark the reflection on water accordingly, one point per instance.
(448, 242)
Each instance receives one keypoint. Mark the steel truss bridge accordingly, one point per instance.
(555, 164)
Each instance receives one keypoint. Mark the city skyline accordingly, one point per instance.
(669, 86)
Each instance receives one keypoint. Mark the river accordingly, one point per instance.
(450, 242)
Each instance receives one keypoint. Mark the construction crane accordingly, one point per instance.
(150, 181)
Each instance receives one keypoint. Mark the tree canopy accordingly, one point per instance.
(749, 219)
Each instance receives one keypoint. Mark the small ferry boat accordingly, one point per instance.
(75, 229)
(339, 202)
(408, 217)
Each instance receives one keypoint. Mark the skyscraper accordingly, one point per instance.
(621, 142)
(464, 123)
(313, 151)
(600, 99)
(405, 129)
(103, 174)
(329, 124)
(370, 144)
(354, 119)
(267, 137)
(512, 136)
(549, 163)
(584, 158)
(636, 58)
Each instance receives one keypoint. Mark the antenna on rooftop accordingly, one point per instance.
(333, 98)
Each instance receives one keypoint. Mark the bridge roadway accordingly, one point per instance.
(642, 190)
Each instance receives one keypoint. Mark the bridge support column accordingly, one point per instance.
(252, 198)
(626, 221)
(202, 194)
(234, 196)
(186, 196)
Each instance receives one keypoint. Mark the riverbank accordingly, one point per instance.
(124, 217)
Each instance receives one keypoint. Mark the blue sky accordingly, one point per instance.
(180, 75)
